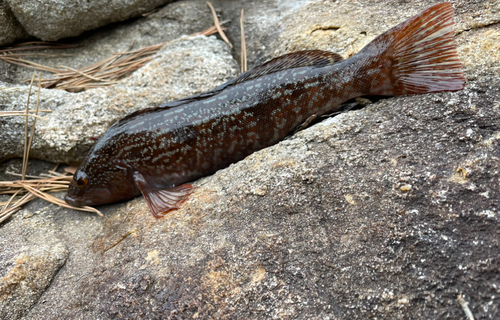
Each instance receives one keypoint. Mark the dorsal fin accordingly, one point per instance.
(175, 103)
(306, 58)
(317, 58)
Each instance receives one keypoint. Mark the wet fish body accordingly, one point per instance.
(156, 150)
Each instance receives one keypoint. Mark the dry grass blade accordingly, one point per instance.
(25, 167)
(211, 30)
(28, 64)
(8, 211)
(243, 43)
(218, 26)
(37, 45)
(36, 188)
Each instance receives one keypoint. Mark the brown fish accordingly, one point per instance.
(155, 151)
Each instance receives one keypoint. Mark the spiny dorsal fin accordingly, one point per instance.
(172, 104)
(306, 58)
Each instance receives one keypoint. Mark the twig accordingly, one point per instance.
(217, 25)
(465, 307)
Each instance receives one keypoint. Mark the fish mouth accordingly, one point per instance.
(73, 202)
(77, 202)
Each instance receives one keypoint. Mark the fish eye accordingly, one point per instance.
(81, 179)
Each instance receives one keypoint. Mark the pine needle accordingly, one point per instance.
(218, 25)
(243, 44)
(25, 153)
(101, 74)
(23, 113)
(39, 186)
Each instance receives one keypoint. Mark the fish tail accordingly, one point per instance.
(418, 56)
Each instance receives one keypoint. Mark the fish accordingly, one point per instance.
(159, 151)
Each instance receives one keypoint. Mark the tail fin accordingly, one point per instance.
(420, 55)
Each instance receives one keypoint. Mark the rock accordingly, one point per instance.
(344, 27)
(168, 23)
(10, 29)
(263, 24)
(180, 69)
(54, 20)
(208, 59)
(31, 256)
(387, 212)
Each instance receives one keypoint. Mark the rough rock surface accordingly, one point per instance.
(340, 26)
(168, 23)
(51, 20)
(182, 68)
(10, 29)
(387, 212)
(31, 256)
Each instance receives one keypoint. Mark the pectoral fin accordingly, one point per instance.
(161, 201)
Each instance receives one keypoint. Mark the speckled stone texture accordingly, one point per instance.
(167, 23)
(10, 29)
(182, 68)
(52, 20)
(387, 212)
(277, 27)
(31, 256)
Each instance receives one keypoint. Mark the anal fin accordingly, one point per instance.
(162, 201)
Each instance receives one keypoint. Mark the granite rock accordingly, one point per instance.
(167, 23)
(340, 26)
(31, 256)
(389, 212)
(10, 29)
(51, 20)
(182, 68)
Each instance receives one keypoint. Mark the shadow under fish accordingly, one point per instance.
(156, 151)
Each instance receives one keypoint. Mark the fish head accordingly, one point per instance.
(101, 183)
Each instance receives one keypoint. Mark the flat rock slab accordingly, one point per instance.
(51, 20)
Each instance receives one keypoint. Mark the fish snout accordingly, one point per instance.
(75, 202)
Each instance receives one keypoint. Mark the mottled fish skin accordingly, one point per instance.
(184, 140)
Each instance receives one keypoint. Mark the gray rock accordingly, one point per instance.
(53, 20)
(31, 256)
(182, 68)
(387, 212)
(168, 23)
(343, 27)
(263, 24)
(10, 29)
